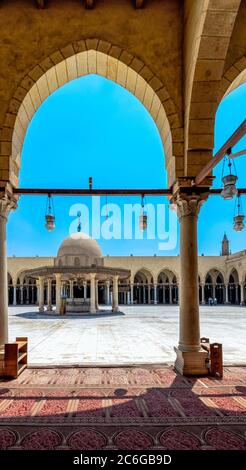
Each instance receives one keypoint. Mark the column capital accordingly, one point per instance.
(8, 202)
(188, 204)
(93, 276)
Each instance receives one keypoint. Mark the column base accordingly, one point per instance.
(115, 309)
(191, 362)
(1, 361)
(93, 311)
(41, 309)
(49, 308)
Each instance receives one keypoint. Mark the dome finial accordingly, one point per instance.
(79, 222)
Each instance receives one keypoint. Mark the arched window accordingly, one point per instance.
(76, 262)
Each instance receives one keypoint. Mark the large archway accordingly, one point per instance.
(41, 83)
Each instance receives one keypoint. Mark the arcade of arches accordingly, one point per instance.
(179, 73)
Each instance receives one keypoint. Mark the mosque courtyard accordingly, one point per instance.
(135, 335)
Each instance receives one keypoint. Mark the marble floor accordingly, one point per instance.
(137, 335)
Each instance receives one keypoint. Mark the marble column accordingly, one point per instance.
(115, 306)
(41, 293)
(226, 294)
(203, 293)
(155, 294)
(213, 291)
(242, 302)
(163, 295)
(191, 359)
(236, 296)
(144, 295)
(14, 297)
(107, 292)
(58, 293)
(96, 294)
(85, 290)
(32, 301)
(170, 294)
(21, 294)
(49, 295)
(71, 289)
(93, 292)
(27, 294)
(128, 297)
(149, 294)
(132, 299)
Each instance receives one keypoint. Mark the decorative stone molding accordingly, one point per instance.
(189, 205)
(8, 202)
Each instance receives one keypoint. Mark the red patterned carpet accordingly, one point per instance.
(122, 408)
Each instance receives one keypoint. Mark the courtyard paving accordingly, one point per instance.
(137, 335)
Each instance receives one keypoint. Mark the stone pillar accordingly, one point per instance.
(21, 294)
(191, 359)
(163, 295)
(27, 294)
(58, 293)
(49, 295)
(128, 297)
(132, 294)
(149, 296)
(96, 294)
(242, 302)
(107, 292)
(32, 301)
(155, 294)
(93, 292)
(144, 295)
(115, 306)
(226, 294)
(37, 302)
(41, 294)
(14, 298)
(213, 291)
(236, 294)
(170, 294)
(203, 293)
(71, 290)
(85, 290)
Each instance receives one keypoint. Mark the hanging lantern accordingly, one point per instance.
(229, 181)
(143, 219)
(239, 217)
(49, 216)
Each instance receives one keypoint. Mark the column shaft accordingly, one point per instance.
(3, 282)
(41, 294)
(93, 291)
(49, 295)
(14, 297)
(115, 294)
(58, 293)
(190, 358)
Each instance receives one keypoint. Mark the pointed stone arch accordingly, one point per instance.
(77, 60)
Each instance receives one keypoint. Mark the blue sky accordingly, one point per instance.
(93, 127)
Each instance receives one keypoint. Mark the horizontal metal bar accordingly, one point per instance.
(91, 192)
(115, 192)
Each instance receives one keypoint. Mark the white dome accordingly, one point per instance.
(79, 250)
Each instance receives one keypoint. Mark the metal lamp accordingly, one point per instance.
(50, 216)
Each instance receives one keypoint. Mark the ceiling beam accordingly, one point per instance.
(40, 4)
(89, 4)
(139, 4)
(114, 192)
(233, 140)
